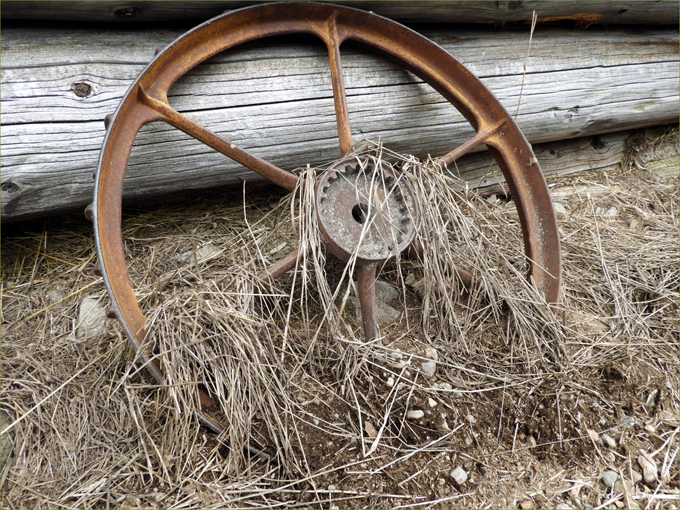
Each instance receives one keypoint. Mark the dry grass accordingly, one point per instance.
(518, 384)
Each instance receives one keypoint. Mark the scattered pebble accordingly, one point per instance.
(649, 468)
(91, 319)
(332, 488)
(471, 419)
(526, 505)
(624, 486)
(650, 429)
(609, 478)
(432, 402)
(636, 476)
(563, 506)
(370, 430)
(429, 368)
(457, 394)
(390, 381)
(459, 475)
(531, 440)
(559, 208)
(608, 441)
(627, 422)
(415, 414)
(384, 294)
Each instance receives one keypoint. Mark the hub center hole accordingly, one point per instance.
(359, 213)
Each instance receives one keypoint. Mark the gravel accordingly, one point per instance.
(459, 475)
(606, 440)
(91, 319)
(609, 478)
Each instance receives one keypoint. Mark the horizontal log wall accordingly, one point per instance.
(580, 12)
(276, 100)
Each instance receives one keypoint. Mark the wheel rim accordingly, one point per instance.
(147, 101)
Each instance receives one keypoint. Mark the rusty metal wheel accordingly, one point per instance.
(383, 216)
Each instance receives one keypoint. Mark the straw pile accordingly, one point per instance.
(523, 397)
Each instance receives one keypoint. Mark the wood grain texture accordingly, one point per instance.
(581, 12)
(275, 99)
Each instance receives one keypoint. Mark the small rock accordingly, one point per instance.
(605, 440)
(390, 381)
(610, 457)
(609, 478)
(531, 440)
(432, 353)
(637, 477)
(471, 419)
(624, 486)
(432, 402)
(429, 368)
(332, 488)
(370, 430)
(415, 414)
(649, 468)
(443, 425)
(650, 429)
(526, 505)
(91, 319)
(627, 422)
(384, 294)
(446, 386)
(459, 475)
(559, 208)
(563, 506)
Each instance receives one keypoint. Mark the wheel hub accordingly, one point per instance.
(365, 206)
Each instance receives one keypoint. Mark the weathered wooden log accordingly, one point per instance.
(583, 12)
(599, 153)
(276, 101)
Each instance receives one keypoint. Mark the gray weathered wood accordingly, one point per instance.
(277, 102)
(581, 12)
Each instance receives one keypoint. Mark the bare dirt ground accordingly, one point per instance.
(486, 399)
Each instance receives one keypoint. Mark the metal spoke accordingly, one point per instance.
(275, 174)
(341, 112)
(280, 267)
(473, 142)
(369, 310)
